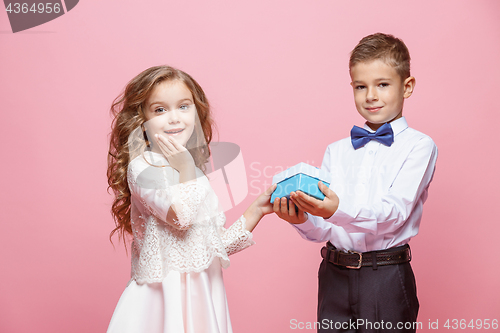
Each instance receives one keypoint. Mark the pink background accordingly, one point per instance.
(276, 73)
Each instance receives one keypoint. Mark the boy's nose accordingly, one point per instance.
(371, 94)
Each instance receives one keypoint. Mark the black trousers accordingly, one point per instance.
(366, 299)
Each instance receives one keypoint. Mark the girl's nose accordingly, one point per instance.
(173, 117)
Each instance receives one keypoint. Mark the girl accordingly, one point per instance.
(158, 150)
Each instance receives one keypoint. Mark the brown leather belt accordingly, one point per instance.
(356, 260)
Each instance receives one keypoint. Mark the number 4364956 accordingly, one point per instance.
(473, 324)
(39, 8)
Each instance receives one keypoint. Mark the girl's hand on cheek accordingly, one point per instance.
(177, 155)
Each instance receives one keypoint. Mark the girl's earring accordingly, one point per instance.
(145, 137)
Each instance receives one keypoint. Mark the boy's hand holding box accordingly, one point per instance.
(301, 177)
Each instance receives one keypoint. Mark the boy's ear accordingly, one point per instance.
(408, 86)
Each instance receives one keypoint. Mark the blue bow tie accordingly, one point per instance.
(360, 136)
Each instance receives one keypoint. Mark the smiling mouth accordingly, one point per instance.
(175, 131)
(374, 109)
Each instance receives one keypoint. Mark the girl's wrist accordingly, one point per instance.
(186, 173)
(186, 168)
(253, 213)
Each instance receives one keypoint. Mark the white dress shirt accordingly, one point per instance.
(381, 191)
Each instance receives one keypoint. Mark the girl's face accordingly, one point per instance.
(170, 111)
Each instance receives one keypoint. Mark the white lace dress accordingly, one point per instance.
(176, 283)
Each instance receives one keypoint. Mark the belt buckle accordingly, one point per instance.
(360, 259)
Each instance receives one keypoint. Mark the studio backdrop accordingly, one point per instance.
(276, 74)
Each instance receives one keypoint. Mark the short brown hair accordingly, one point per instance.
(385, 47)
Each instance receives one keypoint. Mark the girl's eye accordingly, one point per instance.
(184, 107)
(160, 110)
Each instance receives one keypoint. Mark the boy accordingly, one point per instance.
(380, 177)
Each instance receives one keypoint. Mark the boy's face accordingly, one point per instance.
(379, 92)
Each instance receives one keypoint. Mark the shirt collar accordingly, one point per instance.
(398, 126)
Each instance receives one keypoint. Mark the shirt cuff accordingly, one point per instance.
(308, 225)
(353, 221)
(343, 215)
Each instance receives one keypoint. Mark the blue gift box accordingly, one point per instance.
(301, 177)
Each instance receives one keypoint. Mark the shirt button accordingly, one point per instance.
(370, 152)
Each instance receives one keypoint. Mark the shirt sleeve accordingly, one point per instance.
(395, 206)
(315, 229)
(150, 186)
(236, 237)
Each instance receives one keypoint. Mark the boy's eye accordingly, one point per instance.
(359, 87)
(383, 85)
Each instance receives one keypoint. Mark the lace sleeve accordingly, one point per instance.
(236, 237)
(157, 193)
(186, 201)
